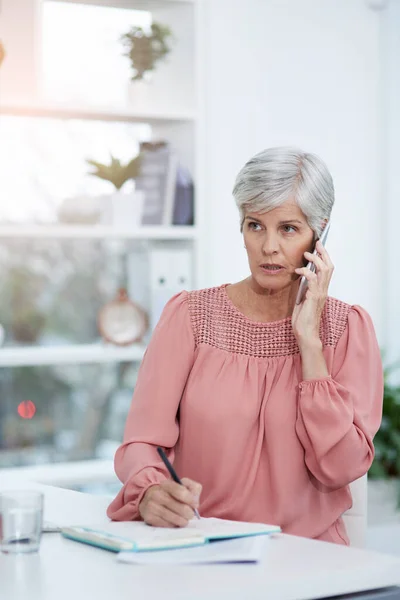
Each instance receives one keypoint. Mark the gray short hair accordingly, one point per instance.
(276, 175)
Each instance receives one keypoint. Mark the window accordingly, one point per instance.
(54, 414)
(51, 294)
(43, 162)
(82, 56)
(52, 290)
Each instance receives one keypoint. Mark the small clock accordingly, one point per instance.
(121, 321)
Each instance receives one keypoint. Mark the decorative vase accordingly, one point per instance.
(126, 209)
(26, 328)
(81, 210)
(139, 95)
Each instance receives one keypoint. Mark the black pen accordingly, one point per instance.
(172, 472)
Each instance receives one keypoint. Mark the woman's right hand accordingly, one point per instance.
(170, 504)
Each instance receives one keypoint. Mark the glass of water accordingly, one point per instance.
(21, 520)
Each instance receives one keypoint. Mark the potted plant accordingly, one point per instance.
(126, 207)
(145, 50)
(384, 474)
(27, 318)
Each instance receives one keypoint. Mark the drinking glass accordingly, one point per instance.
(21, 520)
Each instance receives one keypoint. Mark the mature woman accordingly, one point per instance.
(267, 406)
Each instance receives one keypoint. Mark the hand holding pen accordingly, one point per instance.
(172, 503)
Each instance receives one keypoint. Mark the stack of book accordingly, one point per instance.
(167, 186)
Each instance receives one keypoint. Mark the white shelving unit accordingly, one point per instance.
(178, 122)
(122, 114)
(29, 356)
(96, 232)
(173, 110)
(136, 4)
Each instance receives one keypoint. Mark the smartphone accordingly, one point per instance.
(303, 282)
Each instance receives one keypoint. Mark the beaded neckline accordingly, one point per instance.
(217, 322)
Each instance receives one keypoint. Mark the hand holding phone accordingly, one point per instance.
(303, 282)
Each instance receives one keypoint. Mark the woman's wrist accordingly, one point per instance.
(312, 359)
(309, 343)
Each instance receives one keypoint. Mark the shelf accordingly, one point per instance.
(95, 113)
(132, 4)
(97, 232)
(74, 354)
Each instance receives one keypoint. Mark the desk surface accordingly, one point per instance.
(293, 569)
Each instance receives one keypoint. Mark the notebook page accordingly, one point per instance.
(242, 550)
(214, 529)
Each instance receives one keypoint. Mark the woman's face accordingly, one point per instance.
(275, 242)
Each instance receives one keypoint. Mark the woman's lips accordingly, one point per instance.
(272, 269)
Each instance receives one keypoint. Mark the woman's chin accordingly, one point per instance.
(274, 283)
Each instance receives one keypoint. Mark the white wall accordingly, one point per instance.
(390, 37)
(306, 73)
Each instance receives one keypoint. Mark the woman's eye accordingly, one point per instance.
(289, 228)
(254, 226)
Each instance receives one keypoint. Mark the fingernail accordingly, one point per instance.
(196, 499)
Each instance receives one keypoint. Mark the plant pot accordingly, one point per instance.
(161, 90)
(27, 329)
(126, 209)
(383, 501)
(139, 95)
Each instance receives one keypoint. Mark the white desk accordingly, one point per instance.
(293, 569)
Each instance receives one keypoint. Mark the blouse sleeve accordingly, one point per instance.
(152, 418)
(339, 415)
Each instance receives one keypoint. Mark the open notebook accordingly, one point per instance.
(136, 536)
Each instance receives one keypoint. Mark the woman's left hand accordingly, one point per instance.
(306, 316)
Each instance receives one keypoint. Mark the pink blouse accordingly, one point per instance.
(225, 396)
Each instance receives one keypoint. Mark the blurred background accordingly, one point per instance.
(123, 124)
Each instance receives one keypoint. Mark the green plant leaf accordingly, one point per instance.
(146, 49)
(387, 440)
(116, 172)
(377, 471)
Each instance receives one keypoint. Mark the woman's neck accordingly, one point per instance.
(261, 304)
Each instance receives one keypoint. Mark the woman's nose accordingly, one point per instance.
(270, 244)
